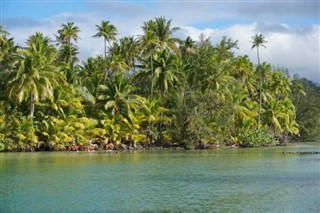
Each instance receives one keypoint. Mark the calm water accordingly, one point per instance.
(232, 180)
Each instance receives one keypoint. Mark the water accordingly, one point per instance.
(230, 180)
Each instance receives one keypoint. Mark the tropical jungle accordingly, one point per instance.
(149, 90)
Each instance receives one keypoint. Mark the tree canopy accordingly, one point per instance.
(151, 89)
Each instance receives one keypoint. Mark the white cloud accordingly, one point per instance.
(284, 49)
(288, 47)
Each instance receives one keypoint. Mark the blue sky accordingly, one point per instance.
(292, 28)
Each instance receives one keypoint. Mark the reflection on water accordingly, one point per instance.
(236, 180)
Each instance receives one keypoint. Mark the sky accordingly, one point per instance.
(291, 28)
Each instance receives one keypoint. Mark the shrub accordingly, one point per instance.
(256, 137)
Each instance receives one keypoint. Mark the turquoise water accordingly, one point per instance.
(226, 180)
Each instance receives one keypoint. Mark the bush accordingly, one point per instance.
(256, 137)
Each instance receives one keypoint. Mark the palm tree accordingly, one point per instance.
(148, 44)
(167, 73)
(243, 71)
(153, 114)
(161, 29)
(67, 33)
(37, 74)
(118, 97)
(108, 32)
(187, 47)
(117, 60)
(280, 86)
(67, 53)
(223, 49)
(129, 48)
(259, 41)
(8, 59)
(3, 34)
(273, 114)
(91, 76)
(157, 34)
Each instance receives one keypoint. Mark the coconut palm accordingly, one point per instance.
(167, 74)
(161, 29)
(117, 96)
(259, 41)
(187, 47)
(37, 74)
(223, 49)
(108, 32)
(91, 75)
(67, 53)
(273, 114)
(129, 48)
(157, 34)
(8, 59)
(152, 115)
(66, 34)
(116, 59)
(280, 86)
(3, 34)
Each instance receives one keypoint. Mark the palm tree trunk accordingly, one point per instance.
(134, 67)
(32, 106)
(151, 73)
(69, 50)
(260, 87)
(105, 49)
(105, 58)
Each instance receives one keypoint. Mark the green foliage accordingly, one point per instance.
(155, 89)
(306, 98)
(256, 137)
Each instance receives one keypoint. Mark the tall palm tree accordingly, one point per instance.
(148, 44)
(108, 32)
(158, 34)
(259, 41)
(37, 74)
(66, 34)
(162, 30)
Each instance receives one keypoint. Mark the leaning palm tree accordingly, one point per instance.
(259, 41)
(37, 74)
(108, 32)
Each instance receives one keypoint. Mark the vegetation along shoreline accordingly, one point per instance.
(146, 92)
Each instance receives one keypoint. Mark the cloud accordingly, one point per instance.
(293, 46)
(286, 48)
(278, 9)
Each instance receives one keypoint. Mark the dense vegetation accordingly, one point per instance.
(152, 89)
